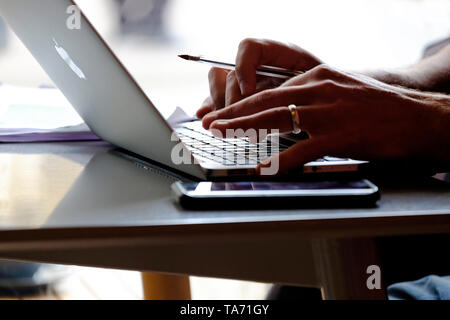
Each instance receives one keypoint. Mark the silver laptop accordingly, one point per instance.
(113, 105)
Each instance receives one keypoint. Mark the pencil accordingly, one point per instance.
(263, 70)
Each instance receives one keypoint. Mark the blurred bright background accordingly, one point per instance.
(147, 35)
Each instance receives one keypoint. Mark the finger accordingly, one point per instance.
(217, 84)
(312, 119)
(282, 96)
(300, 80)
(264, 83)
(253, 53)
(232, 92)
(203, 110)
(206, 107)
(296, 156)
(272, 119)
(319, 73)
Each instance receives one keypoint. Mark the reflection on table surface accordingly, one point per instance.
(32, 186)
(40, 190)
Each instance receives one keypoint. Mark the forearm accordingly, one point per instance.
(429, 74)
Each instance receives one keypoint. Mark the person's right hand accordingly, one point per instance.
(228, 87)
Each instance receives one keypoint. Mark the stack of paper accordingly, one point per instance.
(44, 114)
(39, 114)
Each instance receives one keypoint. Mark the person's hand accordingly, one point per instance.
(228, 87)
(345, 115)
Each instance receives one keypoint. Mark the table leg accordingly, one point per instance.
(165, 287)
(347, 269)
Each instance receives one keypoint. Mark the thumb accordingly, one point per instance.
(300, 153)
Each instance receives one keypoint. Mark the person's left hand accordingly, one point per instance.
(345, 115)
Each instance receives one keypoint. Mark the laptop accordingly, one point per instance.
(116, 109)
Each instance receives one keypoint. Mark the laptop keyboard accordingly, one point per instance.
(234, 151)
(229, 152)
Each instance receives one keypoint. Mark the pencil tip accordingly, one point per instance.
(188, 57)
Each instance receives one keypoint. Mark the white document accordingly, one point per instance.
(179, 116)
(44, 114)
(35, 108)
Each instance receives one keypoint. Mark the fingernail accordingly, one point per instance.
(219, 122)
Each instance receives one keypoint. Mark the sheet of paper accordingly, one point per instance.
(44, 114)
(23, 107)
(37, 114)
(179, 116)
(79, 132)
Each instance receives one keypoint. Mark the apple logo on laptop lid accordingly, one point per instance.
(65, 56)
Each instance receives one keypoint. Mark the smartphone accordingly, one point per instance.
(275, 194)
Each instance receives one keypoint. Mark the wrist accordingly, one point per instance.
(402, 78)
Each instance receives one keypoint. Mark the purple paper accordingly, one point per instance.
(49, 137)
